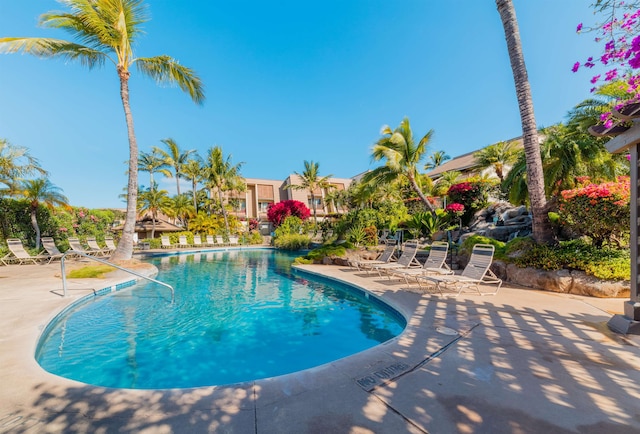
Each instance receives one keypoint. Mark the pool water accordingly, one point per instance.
(237, 316)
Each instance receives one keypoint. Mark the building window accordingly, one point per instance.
(318, 201)
(263, 206)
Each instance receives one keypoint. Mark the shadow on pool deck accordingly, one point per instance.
(520, 362)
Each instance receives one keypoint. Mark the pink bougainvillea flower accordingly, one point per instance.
(576, 66)
(579, 28)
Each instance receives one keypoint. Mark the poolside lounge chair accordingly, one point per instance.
(476, 273)
(108, 241)
(75, 244)
(406, 260)
(233, 240)
(52, 250)
(17, 253)
(95, 248)
(197, 240)
(220, 240)
(211, 242)
(166, 243)
(435, 263)
(386, 256)
(182, 241)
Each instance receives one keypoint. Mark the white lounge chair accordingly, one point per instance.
(52, 250)
(197, 240)
(108, 241)
(233, 240)
(75, 244)
(386, 256)
(95, 248)
(17, 253)
(406, 260)
(211, 242)
(435, 263)
(476, 273)
(166, 243)
(182, 241)
(220, 240)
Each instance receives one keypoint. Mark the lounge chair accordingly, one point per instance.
(52, 250)
(95, 248)
(17, 253)
(476, 273)
(75, 244)
(182, 241)
(166, 243)
(211, 242)
(406, 260)
(220, 240)
(233, 240)
(386, 256)
(435, 263)
(197, 240)
(108, 241)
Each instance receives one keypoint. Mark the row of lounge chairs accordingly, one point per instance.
(211, 241)
(18, 255)
(435, 272)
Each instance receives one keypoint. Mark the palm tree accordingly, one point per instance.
(181, 208)
(41, 191)
(154, 200)
(222, 176)
(194, 171)
(152, 162)
(446, 180)
(108, 30)
(436, 159)
(402, 157)
(499, 156)
(541, 226)
(175, 158)
(15, 163)
(311, 180)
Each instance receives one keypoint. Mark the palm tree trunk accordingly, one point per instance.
(313, 206)
(124, 251)
(541, 226)
(194, 185)
(34, 223)
(423, 198)
(153, 224)
(224, 212)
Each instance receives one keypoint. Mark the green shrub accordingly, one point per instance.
(302, 260)
(471, 241)
(292, 242)
(331, 250)
(154, 243)
(253, 237)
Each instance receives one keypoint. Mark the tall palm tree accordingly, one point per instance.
(152, 162)
(497, 156)
(194, 171)
(181, 208)
(175, 158)
(15, 163)
(402, 156)
(153, 201)
(41, 191)
(436, 159)
(541, 226)
(311, 180)
(222, 176)
(107, 31)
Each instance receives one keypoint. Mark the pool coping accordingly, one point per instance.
(375, 390)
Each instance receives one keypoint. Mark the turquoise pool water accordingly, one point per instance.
(237, 316)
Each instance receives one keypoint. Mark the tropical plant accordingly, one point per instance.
(152, 162)
(541, 227)
(173, 157)
(194, 171)
(221, 175)
(41, 191)
(154, 201)
(278, 212)
(181, 208)
(445, 181)
(427, 224)
(107, 31)
(498, 156)
(16, 163)
(310, 180)
(402, 156)
(436, 159)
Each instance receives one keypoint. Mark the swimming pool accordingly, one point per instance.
(238, 315)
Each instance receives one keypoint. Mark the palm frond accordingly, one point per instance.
(47, 48)
(167, 70)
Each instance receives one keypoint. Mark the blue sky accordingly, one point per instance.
(288, 81)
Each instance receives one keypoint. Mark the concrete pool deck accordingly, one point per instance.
(523, 361)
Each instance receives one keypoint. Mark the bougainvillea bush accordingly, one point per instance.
(598, 211)
(277, 212)
(472, 195)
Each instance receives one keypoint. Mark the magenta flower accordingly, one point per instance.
(575, 66)
(579, 28)
(455, 208)
(595, 78)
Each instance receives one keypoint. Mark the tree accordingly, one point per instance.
(436, 159)
(541, 226)
(181, 208)
(152, 162)
(194, 171)
(154, 200)
(446, 180)
(107, 31)
(15, 163)
(311, 180)
(175, 158)
(497, 156)
(41, 191)
(221, 175)
(278, 212)
(402, 156)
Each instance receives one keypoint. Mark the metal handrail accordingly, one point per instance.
(75, 252)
